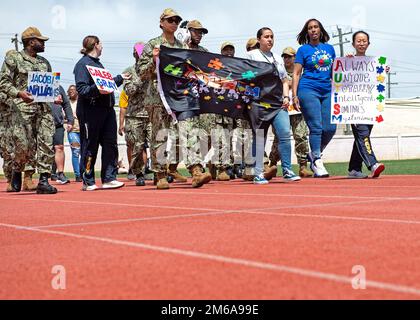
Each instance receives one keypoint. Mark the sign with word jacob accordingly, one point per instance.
(43, 86)
(103, 80)
(358, 90)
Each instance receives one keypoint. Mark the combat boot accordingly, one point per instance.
(28, 184)
(199, 178)
(9, 186)
(212, 170)
(223, 175)
(173, 173)
(43, 186)
(270, 172)
(16, 182)
(161, 181)
(304, 171)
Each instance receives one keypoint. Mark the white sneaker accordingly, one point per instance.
(113, 185)
(90, 188)
(357, 175)
(319, 170)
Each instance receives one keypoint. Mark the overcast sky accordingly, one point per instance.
(393, 26)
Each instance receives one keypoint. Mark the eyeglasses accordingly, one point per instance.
(173, 20)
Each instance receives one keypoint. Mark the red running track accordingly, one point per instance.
(228, 240)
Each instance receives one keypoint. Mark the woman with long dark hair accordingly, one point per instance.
(312, 89)
(98, 123)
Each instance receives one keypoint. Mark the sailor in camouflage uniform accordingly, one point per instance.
(33, 124)
(159, 117)
(137, 126)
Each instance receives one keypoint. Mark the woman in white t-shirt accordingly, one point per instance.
(281, 123)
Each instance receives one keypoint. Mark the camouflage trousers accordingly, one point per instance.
(192, 140)
(137, 132)
(6, 146)
(32, 138)
(162, 138)
(219, 129)
(300, 135)
(242, 142)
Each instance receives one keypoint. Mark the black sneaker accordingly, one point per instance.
(54, 177)
(62, 179)
(78, 179)
(140, 182)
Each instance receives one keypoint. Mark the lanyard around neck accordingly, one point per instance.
(268, 60)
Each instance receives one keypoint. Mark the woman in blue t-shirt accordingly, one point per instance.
(312, 89)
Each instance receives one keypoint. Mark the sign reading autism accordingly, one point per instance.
(358, 89)
(43, 86)
(103, 80)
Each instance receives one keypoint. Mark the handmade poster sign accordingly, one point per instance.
(358, 90)
(43, 86)
(103, 80)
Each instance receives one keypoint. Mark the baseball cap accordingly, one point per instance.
(169, 13)
(195, 24)
(227, 44)
(289, 51)
(251, 43)
(33, 33)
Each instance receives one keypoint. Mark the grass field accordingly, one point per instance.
(400, 167)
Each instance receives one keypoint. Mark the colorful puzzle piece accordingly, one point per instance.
(380, 70)
(380, 107)
(172, 70)
(207, 98)
(379, 119)
(380, 78)
(382, 60)
(249, 75)
(380, 98)
(216, 64)
(266, 105)
(381, 88)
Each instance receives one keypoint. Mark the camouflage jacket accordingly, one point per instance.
(146, 69)
(135, 90)
(14, 76)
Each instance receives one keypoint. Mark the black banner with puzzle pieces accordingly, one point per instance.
(212, 83)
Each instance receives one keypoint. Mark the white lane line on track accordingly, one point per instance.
(243, 211)
(229, 260)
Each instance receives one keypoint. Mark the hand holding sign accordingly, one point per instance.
(26, 96)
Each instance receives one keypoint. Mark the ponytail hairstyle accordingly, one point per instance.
(89, 44)
(303, 36)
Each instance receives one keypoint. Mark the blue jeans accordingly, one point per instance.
(316, 109)
(74, 140)
(281, 125)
